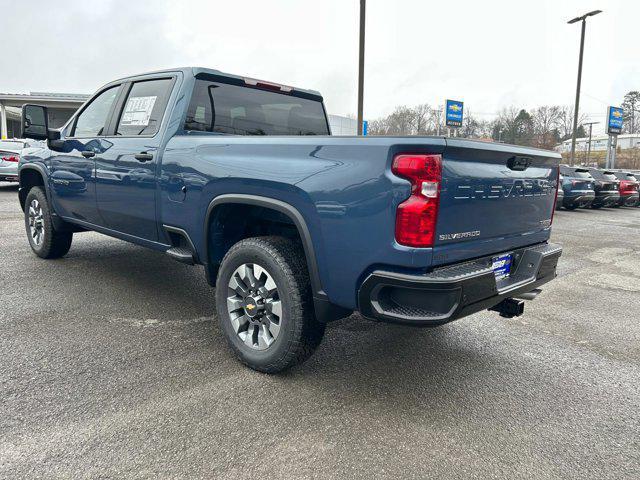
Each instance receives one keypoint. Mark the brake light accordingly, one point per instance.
(267, 85)
(416, 217)
(627, 186)
(11, 159)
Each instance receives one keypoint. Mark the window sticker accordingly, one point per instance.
(138, 110)
(200, 114)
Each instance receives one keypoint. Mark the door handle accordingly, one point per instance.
(144, 156)
(88, 153)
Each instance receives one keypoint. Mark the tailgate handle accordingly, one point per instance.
(519, 163)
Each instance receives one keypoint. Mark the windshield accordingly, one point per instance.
(223, 108)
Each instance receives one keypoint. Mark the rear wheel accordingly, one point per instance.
(264, 304)
(571, 207)
(44, 239)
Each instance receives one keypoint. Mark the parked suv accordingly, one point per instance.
(606, 187)
(628, 187)
(578, 187)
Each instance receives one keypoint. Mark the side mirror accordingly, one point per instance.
(35, 122)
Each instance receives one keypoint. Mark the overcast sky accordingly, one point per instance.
(490, 54)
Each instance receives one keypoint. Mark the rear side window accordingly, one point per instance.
(144, 107)
(223, 108)
(597, 174)
(625, 176)
(581, 174)
(91, 122)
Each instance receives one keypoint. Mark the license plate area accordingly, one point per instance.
(501, 265)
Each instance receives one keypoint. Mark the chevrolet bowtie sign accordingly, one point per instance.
(614, 120)
(453, 113)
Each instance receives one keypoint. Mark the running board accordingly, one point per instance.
(181, 254)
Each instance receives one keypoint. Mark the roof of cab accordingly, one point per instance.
(210, 71)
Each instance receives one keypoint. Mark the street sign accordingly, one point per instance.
(453, 113)
(614, 120)
(365, 127)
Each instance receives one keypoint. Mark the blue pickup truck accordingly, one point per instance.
(294, 227)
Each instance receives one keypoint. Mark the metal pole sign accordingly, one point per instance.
(453, 112)
(614, 128)
(614, 120)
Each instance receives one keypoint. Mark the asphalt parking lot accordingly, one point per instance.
(112, 366)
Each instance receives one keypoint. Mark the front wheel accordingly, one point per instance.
(44, 239)
(264, 304)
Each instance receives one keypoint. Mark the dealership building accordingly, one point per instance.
(600, 143)
(60, 106)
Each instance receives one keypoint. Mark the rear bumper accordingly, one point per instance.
(629, 200)
(8, 173)
(607, 198)
(455, 291)
(579, 199)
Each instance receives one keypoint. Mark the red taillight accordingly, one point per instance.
(11, 159)
(627, 186)
(416, 217)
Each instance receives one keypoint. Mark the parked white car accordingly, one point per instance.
(10, 152)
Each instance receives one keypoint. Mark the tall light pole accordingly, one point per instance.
(591, 124)
(363, 6)
(583, 18)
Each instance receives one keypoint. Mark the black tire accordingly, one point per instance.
(52, 243)
(596, 207)
(299, 333)
(571, 207)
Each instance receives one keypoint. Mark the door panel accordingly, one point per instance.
(126, 174)
(126, 188)
(73, 165)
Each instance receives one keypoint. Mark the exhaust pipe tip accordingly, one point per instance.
(529, 295)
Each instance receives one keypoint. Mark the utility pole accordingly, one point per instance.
(583, 18)
(363, 6)
(591, 124)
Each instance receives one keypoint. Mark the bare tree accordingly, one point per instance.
(470, 126)
(422, 119)
(565, 123)
(401, 121)
(546, 122)
(631, 107)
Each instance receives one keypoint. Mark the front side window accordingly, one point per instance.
(232, 109)
(143, 110)
(92, 121)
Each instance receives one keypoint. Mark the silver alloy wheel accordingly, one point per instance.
(254, 306)
(36, 222)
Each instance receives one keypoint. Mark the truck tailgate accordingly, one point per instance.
(495, 196)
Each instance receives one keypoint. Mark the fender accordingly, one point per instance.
(58, 223)
(324, 309)
(22, 194)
